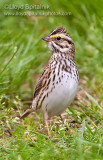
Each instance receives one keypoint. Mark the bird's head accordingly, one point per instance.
(59, 41)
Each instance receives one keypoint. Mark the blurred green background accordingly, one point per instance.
(23, 54)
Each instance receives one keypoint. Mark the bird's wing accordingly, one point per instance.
(42, 81)
(38, 87)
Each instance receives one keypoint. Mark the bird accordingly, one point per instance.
(58, 84)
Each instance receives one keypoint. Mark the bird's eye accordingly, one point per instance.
(58, 38)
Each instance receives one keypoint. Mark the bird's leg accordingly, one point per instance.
(46, 123)
(69, 130)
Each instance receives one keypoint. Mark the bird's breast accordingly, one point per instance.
(62, 88)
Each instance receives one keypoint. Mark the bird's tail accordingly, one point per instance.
(26, 113)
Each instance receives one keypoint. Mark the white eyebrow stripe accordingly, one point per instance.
(68, 38)
(57, 35)
(62, 36)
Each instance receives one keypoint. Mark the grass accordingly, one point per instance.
(23, 56)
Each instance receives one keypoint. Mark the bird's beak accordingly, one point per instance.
(47, 39)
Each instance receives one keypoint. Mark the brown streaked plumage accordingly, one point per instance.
(58, 30)
(58, 83)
